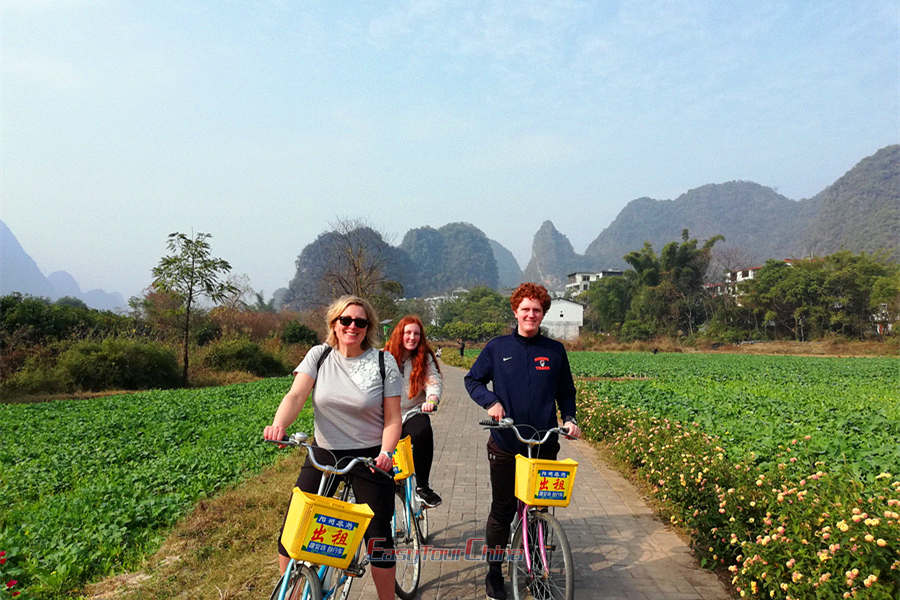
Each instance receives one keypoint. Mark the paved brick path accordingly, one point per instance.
(621, 551)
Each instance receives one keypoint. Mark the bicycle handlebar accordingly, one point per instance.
(507, 423)
(299, 439)
(415, 410)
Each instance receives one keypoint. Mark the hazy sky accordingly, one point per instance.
(263, 122)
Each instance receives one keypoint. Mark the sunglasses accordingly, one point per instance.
(345, 321)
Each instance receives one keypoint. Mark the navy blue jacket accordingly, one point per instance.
(528, 375)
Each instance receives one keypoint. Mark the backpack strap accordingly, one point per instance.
(381, 365)
(322, 358)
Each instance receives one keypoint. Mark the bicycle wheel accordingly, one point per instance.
(406, 548)
(302, 585)
(556, 581)
(419, 511)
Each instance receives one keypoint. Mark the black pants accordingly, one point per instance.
(373, 489)
(503, 499)
(418, 428)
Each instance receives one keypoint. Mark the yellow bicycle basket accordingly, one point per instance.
(324, 530)
(403, 460)
(542, 482)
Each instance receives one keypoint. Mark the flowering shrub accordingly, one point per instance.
(783, 525)
(9, 574)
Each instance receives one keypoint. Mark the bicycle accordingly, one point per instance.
(410, 522)
(306, 580)
(539, 554)
(419, 510)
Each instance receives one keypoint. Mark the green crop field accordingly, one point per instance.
(783, 470)
(849, 406)
(89, 486)
(743, 451)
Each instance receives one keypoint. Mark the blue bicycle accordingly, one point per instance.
(410, 522)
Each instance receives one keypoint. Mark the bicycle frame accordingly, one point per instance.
(522, 512)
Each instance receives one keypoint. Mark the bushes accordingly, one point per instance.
(242, 355)
(295, 332)
(635, 330)
(784, 529)
(113, 363)
(118, 363)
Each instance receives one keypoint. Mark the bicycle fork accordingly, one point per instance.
(526, 543)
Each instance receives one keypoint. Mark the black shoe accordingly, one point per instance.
(493, 584)
(428, 497)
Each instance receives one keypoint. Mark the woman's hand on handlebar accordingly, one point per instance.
(384, 462)
(274, 433)
(430, 405)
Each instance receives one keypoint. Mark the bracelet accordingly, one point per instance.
(386, 453)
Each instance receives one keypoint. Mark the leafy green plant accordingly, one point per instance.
(90, 486)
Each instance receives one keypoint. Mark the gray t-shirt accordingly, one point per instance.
(348, 398)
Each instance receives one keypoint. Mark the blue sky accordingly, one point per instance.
(263, 123)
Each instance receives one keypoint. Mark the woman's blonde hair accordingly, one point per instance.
(340, 305)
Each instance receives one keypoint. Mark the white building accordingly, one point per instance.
(564, 319)
(581, 280)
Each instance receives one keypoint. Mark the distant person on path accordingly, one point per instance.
(422, 387)
(531, 378)
(357, 413)
(462, 347)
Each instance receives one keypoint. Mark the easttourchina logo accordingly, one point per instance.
(542, 363)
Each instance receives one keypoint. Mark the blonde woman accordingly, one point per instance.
(357, 413)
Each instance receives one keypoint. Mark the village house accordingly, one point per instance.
(580, 281)
(564, 319)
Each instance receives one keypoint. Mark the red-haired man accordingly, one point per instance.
(531, 378)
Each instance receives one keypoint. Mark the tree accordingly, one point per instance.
(357, 266)
(480, 305)
(351, 259)
(261, 305)
(839, 294)
(606, 302)
(668, 289)
(190, 273)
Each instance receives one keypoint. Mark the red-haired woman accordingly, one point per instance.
(422, 386)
